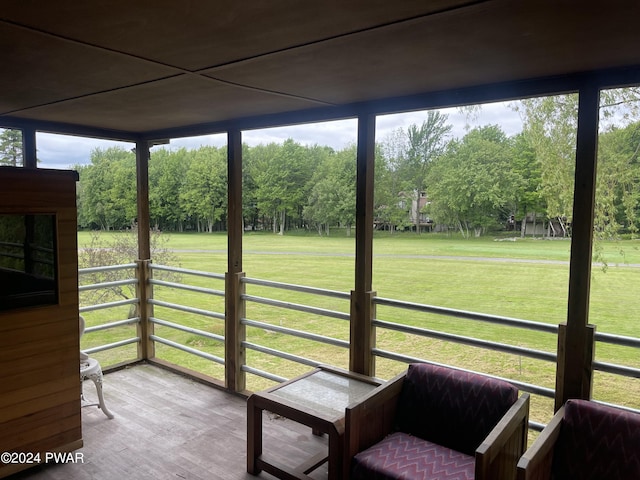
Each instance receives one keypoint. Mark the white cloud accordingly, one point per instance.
(65, 151)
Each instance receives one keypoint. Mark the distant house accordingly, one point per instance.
(542, 226)
(416, 217)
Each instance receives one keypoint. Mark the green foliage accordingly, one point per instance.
(119, 249)
(332, 197)
(473, 185)
(203, 195)
(11, 147)
(408, 157)
(550, 127)
(618, 196)
(108, 190)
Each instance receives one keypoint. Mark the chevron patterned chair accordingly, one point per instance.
(585, 441)
(437, 423)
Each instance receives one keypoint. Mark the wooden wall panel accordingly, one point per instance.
(39, 346)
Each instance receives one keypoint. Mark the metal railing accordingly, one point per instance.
(105, 272)
(322, 312)
(258, 322)
(176, 307)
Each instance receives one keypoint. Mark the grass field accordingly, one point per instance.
(525, 279)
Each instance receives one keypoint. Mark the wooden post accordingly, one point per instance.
(145, 327)
(584, 381)
(146, 347)
(575, 353)
(29, 155)
(362, 332)
(235, 378)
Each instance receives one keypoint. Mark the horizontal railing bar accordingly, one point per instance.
(474, 342)
(513, 322)
(119, 303)
(295, 333)
(106, 268)
(526, 387)
(182, 286)
(263, 374)
(615, 405)
(183, 328)
(217, 276)
(618, 340)
(279, 354)
(182, 308)
(115, 283)
(296, 288)
(106, 326)
(297, 307)
(109, 346)
(184, 348)
(536, 426)
(617, 369)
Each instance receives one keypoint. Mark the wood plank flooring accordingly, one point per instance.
(167, 426)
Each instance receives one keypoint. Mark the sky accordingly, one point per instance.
(64, 151)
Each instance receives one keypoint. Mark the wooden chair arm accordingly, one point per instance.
(370, 419)
(536, 461)
(498, 454)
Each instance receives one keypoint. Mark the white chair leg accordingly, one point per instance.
(96, 378)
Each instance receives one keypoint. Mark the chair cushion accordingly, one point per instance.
(403, 456)
(450, 407)
(597, 442)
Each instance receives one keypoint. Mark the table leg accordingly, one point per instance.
(254, 436)
(335, 455)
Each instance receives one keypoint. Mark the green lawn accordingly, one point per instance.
(525, 279)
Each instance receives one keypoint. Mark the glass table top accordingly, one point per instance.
(325, 392)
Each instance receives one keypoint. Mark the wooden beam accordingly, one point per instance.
(29, 155)
(142, 177)
(574, 376)
(362, 333)
(235, 334)
(234, 201)
(503, 91)
(145, 327)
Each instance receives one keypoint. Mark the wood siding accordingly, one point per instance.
(39, 369)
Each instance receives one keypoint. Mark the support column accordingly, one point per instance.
(575, 348)
(29, 155)
(145, 327)
(362, 338)
(235, 332)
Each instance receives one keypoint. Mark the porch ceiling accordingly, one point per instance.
(156, 65)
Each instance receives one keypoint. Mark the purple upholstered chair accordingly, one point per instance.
(585, 441)
(439, 423)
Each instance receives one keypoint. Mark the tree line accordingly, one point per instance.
(482, 182)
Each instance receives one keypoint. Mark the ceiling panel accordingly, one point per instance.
(195, 34)
(40, 69)
(184, 100)
(140, 65)
(451, 50)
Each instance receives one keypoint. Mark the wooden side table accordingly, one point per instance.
(317, 399)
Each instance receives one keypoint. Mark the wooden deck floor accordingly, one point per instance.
(167, 426)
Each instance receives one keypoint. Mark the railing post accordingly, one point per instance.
(144, 288)
(235, 332)
(363, 333)
(575, 354)
(582, 385)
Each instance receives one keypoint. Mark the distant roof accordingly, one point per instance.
(161, 67)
